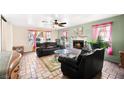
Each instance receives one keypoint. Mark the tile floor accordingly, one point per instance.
(31, 67)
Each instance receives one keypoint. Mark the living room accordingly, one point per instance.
(51, 46)
(61, 46)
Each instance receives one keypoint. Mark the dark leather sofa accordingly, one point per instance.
(47, 48)
(86, 66)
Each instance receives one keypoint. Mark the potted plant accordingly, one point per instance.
(99, 43)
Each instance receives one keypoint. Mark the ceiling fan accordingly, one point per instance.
(55, 23)
(61, 24)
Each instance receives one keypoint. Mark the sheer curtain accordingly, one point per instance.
(104, 30)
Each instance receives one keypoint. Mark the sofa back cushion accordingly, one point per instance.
(50, 44)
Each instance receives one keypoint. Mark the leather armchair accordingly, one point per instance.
(87, 65)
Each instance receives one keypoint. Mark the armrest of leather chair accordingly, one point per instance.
(68, 61)
(14, 62)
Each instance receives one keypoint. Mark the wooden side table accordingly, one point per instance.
(122, 58)
(19, 49)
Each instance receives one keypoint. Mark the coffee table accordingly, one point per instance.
(61, 52)
(65, 53)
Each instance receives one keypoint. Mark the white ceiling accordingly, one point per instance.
(35, 20)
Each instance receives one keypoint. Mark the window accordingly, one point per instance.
(48, 36)
(64, 34)
(43, 36)
(104, 31)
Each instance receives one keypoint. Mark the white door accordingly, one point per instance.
(0, 36)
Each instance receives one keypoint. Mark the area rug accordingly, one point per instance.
(50, 62)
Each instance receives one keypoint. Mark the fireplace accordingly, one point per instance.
(79, 44)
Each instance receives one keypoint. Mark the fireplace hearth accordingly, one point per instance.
(79, 44)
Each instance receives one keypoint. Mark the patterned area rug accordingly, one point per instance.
(50, 62)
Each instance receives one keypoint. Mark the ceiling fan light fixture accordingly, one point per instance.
(55, 26)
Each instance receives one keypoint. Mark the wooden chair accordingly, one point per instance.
(122, 58)
(19, 49)
(14, 65)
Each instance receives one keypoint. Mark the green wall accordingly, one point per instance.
(117, 35)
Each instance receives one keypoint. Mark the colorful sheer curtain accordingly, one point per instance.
(105, 31)
(64, 34)
(33, 38)
(35, 34)
(48, 35)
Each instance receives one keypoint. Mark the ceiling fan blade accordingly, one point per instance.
(63, 23)
(44, 21)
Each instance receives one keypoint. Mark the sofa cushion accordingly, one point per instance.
(50, 46)
(47, 48)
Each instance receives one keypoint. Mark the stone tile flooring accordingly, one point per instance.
(31, 67)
